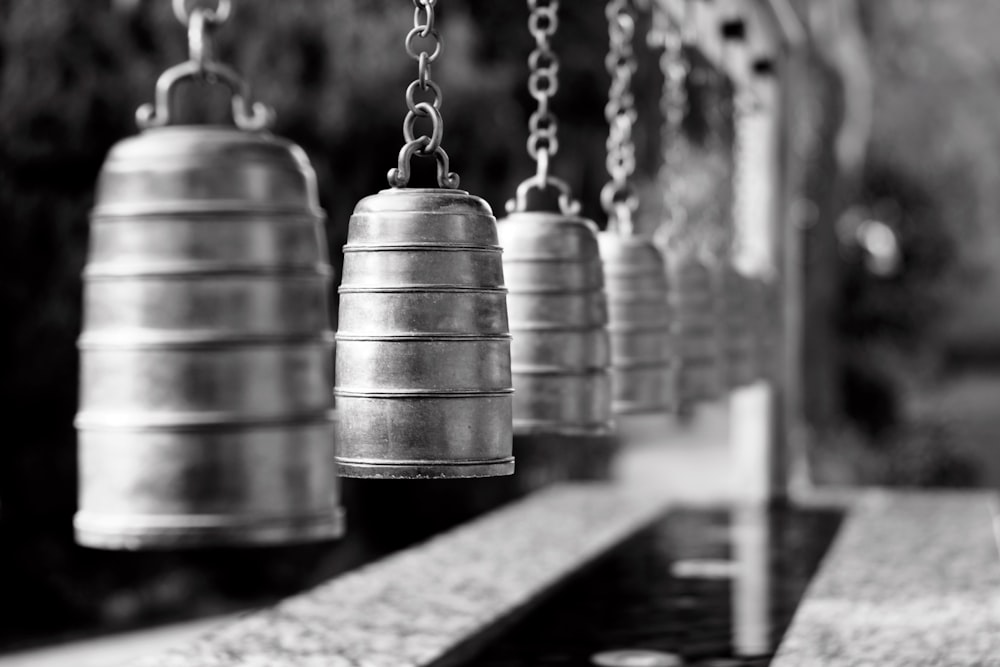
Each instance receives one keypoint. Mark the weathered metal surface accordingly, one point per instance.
(423, 377)
(697, 324)
(558, 313)
(642, 345)
(205, 353)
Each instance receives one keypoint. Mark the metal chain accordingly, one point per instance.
(543, 82)
(424, 145)
(675, 68)
(618, 197)
(543, 128)
(200, 22)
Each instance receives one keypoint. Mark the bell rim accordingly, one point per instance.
(97, 530)
(424, 469)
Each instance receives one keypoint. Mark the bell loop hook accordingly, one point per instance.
(201, 65)
(399, 176)
(519, 204)
(246, 115)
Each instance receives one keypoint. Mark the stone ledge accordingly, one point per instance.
(424, 605)
(913, 579)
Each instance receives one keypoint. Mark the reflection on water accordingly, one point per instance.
(716, 587)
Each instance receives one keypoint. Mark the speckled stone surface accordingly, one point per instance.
(912, 580)
(424, 605)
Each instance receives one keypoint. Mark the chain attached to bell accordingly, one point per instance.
(205, 412)
(685, 239)
(642, 357)
(423, 375)
(558, 313)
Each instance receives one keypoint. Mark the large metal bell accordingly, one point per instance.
(558, 317)
(423, 378)
(696, 324)
(639, 325)
(205, 408)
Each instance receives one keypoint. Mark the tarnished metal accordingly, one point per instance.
(423, 378)
(696, 324)
(205, 354)
(558, 317)
(642, 346)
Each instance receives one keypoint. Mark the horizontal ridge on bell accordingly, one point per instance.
(423, 375)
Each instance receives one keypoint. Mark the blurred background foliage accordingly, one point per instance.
(881, 348)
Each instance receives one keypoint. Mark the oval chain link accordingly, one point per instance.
(200, 21)
(543, 80)
(618, 197)
(423, 44)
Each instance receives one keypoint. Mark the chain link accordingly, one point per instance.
(423, 44)
(217, 16)
(201, 22)
(543, 127)
(543, 81)
(618, 197)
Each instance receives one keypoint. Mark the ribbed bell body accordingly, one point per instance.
(423, 377)
(741, 369)
(639, 325)
(206, 352)
(696, 323)
(560, 352)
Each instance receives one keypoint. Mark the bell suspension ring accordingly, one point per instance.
(201, 23)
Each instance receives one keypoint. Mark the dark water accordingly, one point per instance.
(715, 587)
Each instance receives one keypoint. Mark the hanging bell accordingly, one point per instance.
(693, 298)
(560, 351)
(206, 353)
(423, 379)
(639, 324)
